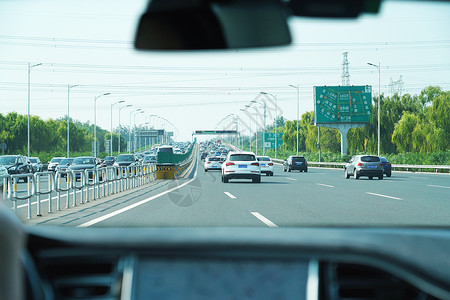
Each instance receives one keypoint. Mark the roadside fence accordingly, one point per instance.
(89, 184)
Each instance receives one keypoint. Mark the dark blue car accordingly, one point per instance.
(386, 166)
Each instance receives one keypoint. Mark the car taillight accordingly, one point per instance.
(388, 164)
(360, 164)
(229, 164)
(208, 162)
(255, 164)
(270, 164)
(381, 164)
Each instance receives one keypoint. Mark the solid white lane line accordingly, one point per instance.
(264, 219)
(119, 211)
(439, 186)
(289, 178)
(385, 196)
(327, 185)
(229, 195)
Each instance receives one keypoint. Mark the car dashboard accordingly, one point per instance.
(236, 263)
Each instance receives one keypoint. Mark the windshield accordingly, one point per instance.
(213, 158)
(370, 159)
(376, 85)
(296, 159)
(33, 160)
(7, 160)
(66, 161)
(242, 157)
(263, 158)
(125, 158)
(83, 161)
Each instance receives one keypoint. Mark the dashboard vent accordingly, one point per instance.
(83, 277)
(351, 282)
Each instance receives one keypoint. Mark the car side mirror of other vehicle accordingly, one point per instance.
(202, 25)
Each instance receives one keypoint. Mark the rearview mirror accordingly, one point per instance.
(216, 24)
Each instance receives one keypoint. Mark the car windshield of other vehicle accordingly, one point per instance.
(83, 161)
(125, 158)
(298, 159)
(66, 161)
(242, 157)
(33, 160)
(56, 160)
(166, 149)
(370, 159)
(109, 158)
(263, 158)
(8, 160)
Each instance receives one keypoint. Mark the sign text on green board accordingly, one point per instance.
(343, 104)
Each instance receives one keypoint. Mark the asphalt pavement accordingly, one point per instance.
(320, 197)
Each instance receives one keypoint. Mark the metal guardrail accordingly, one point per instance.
(48, 191)
(102, 181)
(31, 189)
(393, 166)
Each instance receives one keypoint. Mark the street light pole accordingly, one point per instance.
(134, 127)
(68, 117)
(95, 122)
(276, 116)
(120, 109)
(129, 133)
(263, 103)
(379, 100)
(298, 104)
(29, 87)
(111, 144)
(250, 140)
(256, 129)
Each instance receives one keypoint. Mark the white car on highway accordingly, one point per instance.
(212, 163)
(241, 165)
(266, 165)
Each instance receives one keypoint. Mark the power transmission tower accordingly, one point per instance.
(397, 86)
(345, 72)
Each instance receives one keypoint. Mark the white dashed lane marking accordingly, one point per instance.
(229, 195)
(384, 196)
(327, 185)
(264, 219)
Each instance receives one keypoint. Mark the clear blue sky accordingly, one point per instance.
(89, 43)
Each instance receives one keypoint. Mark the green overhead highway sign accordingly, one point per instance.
(342, 104)
(269, 140)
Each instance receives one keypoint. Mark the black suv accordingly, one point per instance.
(295, 163)
(16, 164)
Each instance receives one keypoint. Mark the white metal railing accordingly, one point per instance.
(101, 181)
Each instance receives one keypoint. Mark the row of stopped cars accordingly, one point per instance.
(216, 163)
(240, 165)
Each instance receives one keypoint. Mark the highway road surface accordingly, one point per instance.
(320, 197)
